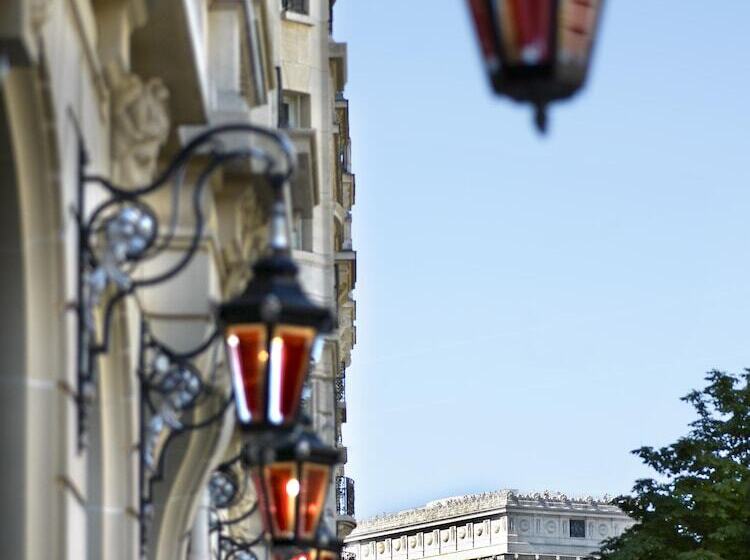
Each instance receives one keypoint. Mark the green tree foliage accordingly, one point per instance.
(699, 508)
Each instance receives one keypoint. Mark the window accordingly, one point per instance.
(298, 6)
(295, 110)
(578, 528)
(301, 232)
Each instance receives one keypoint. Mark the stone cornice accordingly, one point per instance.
(478, 503)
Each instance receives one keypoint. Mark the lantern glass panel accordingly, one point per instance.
(527, 31)
(483, 21)
(282, 489)
(247, 353)
(315, 479)
(289, 360)
(578, 20)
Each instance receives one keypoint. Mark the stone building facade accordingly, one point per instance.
(133, 81)
(505, 525)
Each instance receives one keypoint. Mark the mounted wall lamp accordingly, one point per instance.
(268, 331)
(122, 232)
(292, 480)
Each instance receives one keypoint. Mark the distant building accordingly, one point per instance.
(500, 525)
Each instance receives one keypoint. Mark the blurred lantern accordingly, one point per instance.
(292, 481)
(269, 331)
(536, 51)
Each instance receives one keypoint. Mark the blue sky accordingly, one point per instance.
(531, 309)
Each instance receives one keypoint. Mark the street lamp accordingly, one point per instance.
(292, 481)
(536, 51)
(269, 331)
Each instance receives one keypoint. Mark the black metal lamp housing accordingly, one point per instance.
(269, 331)
(537, 51)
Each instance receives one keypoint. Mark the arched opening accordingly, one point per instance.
(12, 350)
(38, 410)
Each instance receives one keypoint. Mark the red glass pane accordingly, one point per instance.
(246, 350)
(527, 30)
(312, 497)
(290, 358)
(282, 491)
(484, 25)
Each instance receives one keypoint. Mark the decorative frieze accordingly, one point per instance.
(476, 503)
(490, 525)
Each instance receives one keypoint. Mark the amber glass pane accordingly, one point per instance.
(312, 497)
(282, 490)
(290, 358)
(577, 26)
(527, 29)
(246, 348)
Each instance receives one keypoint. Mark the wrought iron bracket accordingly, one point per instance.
(120, 232)
(171, 387)
(229, 482)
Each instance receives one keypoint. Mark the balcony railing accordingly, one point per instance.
(297, 6)
(340, 385)
(345, 496)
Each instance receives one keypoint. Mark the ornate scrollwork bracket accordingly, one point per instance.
(118, 231)
(172, 388)
(231, 505)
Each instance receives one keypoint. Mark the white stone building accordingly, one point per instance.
(504, 525)
(134, 79)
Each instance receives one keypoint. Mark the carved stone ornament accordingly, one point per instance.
(254, 225)
(140, 126)
(477, 503)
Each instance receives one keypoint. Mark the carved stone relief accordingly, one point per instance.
(140, 126)
(251, 238)
(254, 231)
